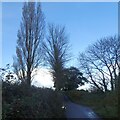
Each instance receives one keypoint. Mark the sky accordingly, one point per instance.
(85, 23)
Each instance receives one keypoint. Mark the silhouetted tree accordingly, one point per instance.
(56, 48)
(30, 36)
(73, 78)
(93, 72)
(101, 62)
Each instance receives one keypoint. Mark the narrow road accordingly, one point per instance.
(73, 110)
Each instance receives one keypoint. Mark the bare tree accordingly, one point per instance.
(29, 42)
(103, 58)
(56, 48)
(87, 68)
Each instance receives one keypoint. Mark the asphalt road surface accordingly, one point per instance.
(73, 110)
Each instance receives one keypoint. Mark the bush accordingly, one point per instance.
(42, 103)
(75, 95)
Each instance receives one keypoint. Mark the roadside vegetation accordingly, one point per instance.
(105, 104)
(40, 103)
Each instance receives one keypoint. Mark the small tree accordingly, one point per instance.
(56, 49)
(73, 78)
(30, 36)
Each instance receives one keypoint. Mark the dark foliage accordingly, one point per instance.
(73, 78)
(41, 102)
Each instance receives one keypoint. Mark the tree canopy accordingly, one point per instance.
(101, 62)
(73, 78)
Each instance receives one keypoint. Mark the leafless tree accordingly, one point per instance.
(29, 42)
(103, 58)
(57, 52)
(87, 68)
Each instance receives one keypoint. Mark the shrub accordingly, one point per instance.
(42, 103)
(73, 95)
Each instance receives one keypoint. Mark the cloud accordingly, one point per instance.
(43, 78)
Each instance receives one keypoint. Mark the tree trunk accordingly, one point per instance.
(29, 79)
(112, 85)
(105, 86)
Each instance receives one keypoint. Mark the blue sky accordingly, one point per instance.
(85, 23)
